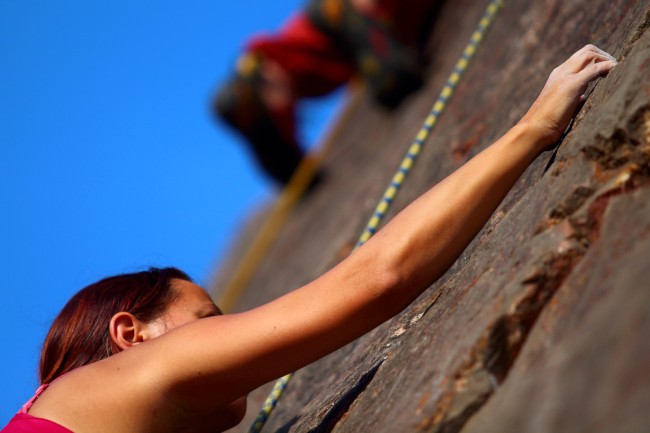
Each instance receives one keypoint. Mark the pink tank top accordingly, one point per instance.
(23, 422)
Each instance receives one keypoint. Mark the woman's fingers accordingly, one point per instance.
(587, 55)
(592, 71)
(584, 66)
(589, 48)
(595, 70)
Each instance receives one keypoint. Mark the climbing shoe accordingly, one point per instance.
(391, 69)
(269, 134)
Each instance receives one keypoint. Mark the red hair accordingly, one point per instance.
(79, 335)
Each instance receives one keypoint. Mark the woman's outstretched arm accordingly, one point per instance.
(224, 357)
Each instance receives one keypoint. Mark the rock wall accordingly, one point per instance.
(543, 324)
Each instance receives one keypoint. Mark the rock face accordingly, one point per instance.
(543, 324)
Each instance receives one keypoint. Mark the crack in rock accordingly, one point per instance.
(588, 220)
(331, 416)
(629, 144)
(566, 208)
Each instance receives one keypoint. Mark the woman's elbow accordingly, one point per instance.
(389, 283)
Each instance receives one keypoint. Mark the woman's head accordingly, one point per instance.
(80, 334)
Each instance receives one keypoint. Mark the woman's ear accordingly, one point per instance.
(126, 331)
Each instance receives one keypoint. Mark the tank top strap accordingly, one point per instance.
(29, 404)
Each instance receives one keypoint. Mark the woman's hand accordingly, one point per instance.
(564, 91)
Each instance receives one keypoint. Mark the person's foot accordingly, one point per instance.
(392, 69)
(263, 115)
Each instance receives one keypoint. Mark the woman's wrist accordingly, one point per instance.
(538, 137)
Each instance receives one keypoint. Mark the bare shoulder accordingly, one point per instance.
(92, 396)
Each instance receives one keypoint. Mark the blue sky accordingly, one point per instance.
(110, 159)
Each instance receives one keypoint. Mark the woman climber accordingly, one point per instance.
(150, 352)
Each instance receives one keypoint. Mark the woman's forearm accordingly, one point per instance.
(426, 238)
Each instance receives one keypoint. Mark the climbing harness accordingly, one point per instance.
(398, 179)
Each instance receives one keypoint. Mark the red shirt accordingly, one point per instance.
(23, 422)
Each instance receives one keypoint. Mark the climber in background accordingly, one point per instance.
(315, 52)
(150, 352)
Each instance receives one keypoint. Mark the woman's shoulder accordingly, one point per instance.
(94, 392)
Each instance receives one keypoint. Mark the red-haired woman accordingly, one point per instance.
(150, 352)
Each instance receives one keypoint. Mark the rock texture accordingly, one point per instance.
(543, 323)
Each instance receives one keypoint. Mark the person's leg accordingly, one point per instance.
(271, 76)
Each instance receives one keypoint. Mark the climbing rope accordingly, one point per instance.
(398, 179)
